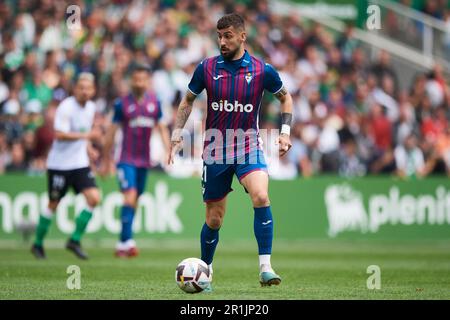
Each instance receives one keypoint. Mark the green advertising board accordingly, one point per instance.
(315, 208)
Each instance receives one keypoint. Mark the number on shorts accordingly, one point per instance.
(204, 174)
(121, 175)
(58, 181)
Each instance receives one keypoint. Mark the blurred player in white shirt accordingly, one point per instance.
(68, 163)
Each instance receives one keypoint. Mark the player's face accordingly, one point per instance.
(84, 90)
(139, 81)
(230, 41)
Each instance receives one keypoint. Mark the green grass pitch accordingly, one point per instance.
(328, 269)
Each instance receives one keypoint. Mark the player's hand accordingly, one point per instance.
(175, 147)
(94, 135)
(284, 142)
(103, 170)
(93, 154)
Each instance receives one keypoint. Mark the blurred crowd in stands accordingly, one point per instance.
(353, 115)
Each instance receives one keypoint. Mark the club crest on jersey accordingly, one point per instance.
(131, 108)
(151, 107)
(248, 77)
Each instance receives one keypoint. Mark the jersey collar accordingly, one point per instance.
(133, 98)
(245, 62)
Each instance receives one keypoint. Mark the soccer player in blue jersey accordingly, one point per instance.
(137, 113)
(235, 82)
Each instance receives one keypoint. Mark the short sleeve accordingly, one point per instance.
(118, 111)
(197, 83)
(272, 80)
(62, 118)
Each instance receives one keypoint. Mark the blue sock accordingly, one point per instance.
(263, 227)
(208, 241)
(127, 216)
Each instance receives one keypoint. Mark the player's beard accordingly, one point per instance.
(230, 54)
(138, 92)
(81, 100)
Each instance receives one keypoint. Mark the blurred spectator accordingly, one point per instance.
(383, 68)
(18, 163)
(406, 120)
(28, 143)
(435, 91)
(10, 123)
(380, 127)
(350, 164)
(443, 149)
(446, 35)
(36, 88)
(347, 43)
(328, 143)
(5, 156)
(433, 8)
(4, 90)
(33, 110)
(298, 155)
(169, 81)
(409, 159)
(311, 68)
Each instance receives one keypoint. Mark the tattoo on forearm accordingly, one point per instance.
(183, 113)
(286, 118)
(282, 92)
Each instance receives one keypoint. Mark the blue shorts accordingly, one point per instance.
(217, 178)
(131, 177)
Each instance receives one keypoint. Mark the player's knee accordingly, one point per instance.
(52, 205)
(214, 218)
(260, 199)
(130, 198)
(93, 199)
(130, 203)
(214, 222)
(93, 202)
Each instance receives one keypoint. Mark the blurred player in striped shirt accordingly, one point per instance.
(137, 114)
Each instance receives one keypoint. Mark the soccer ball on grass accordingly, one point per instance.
(192, 275)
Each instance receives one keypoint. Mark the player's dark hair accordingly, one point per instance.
(231, 20)
(140, 67)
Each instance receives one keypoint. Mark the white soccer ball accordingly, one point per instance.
(192, 275)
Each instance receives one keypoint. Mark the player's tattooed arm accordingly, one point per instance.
(281, 93)
(286, 108)
(285, 99)
(184, 110)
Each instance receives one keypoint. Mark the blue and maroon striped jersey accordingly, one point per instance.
(235, 90)
(137, 120)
